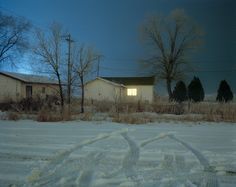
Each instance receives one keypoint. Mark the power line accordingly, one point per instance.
(214, 71)
(190, 71)
(118, 69)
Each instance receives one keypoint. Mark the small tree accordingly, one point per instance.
(224, 93)
(49, 51)
(82, 66)
(180, 92)
(195, 90)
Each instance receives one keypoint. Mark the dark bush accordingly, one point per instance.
(224, 93)
(6, 106)
(195, 90)
(31, 104)
(180, 92)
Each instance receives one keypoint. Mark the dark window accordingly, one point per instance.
(28, 91)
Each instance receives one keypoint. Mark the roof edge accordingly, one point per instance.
(8, 74)
(107, 81)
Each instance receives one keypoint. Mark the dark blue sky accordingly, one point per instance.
(112, 27)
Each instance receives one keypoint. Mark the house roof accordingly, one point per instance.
(131, 80)
(26, 78)
(105, 80)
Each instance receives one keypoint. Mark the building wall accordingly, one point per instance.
(40, 90)
(101, 90)
(144, 93)
(15, 90)
(10, 89)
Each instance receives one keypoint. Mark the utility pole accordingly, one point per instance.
(69, 40)
(98, 66)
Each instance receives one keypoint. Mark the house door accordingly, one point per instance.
(28, 91)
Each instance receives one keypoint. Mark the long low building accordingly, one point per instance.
(16, 86)
(121, 88)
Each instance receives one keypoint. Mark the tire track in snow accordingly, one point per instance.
(132, 156)
(45, 175)
(210, 178)
(88, 168)
(158, 137)
(202, 159)
(50, 175)
(79, 174)
(130, 159)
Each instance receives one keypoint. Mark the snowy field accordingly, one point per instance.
(104, 154)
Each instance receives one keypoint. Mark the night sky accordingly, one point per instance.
(112, 28)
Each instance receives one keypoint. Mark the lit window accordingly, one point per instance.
(132, 92)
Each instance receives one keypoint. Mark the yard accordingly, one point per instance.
(106, 154)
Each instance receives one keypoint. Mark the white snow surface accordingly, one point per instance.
(105, 154)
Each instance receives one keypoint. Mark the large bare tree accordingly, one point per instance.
(49, 51)
(85, 58)
(171, 38)
(12, 36)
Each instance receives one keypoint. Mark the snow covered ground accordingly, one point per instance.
(104, 154)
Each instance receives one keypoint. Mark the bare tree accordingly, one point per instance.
(12, 36)
(171, 39)
(49, 51)
(82, 66)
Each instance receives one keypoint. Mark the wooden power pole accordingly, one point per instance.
(69, 40)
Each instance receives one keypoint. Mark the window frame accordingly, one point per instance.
(132, 92)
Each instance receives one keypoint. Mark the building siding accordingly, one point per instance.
(102, 90)
(11, 89)
(37, 90)
(144, 93)
(14, 90)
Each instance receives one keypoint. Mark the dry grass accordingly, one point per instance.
(215, 111)
(87, 116)
(204, 111)
(168, 108)
(14, 116)
(135, 118)
(46, 116)
(127, 112)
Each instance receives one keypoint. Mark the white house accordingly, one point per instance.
(122, 88)
(16, 86)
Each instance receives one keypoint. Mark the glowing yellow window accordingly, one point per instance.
(131, 91)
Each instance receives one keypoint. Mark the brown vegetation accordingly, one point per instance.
(215, 111)
(47, 116)
(131, 113)
(136, 118)
(13, 116)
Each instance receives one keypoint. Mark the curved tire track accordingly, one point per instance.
(47, 174)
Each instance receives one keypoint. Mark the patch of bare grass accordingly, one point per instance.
(221, 112)
(135, 118)
(169, 108)
(46, 116)
(14, 116)
(87, 116)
